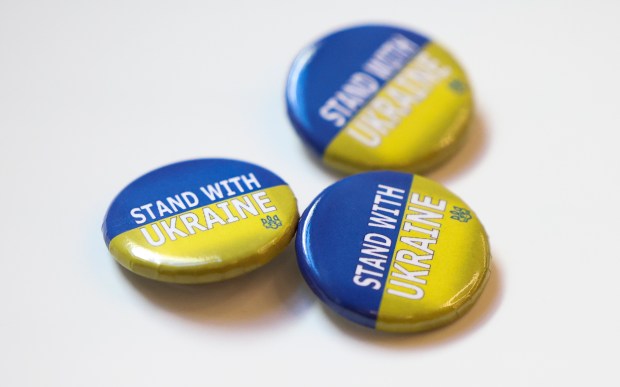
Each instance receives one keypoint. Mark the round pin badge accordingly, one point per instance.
(393, 251)
(377, 97)
(200, 221)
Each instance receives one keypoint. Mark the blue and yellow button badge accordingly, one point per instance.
(393, 251)
(201, 221)
(379, 97)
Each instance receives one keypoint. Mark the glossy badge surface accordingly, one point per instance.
(200, 221)
(379, 97)
(393, 251)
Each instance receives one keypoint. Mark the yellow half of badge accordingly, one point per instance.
(440, 262)
(417, 120)
(211, 243)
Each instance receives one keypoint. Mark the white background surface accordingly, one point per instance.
(95, 94)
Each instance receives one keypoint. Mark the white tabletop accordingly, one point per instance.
(95, 94)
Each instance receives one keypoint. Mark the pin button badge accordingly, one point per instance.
(200, 221)
(393, 251)
(377, 97)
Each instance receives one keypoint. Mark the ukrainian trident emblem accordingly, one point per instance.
(271, 222)
(460, 214)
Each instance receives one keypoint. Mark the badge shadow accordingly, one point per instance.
(473, 151)
(266, 297)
